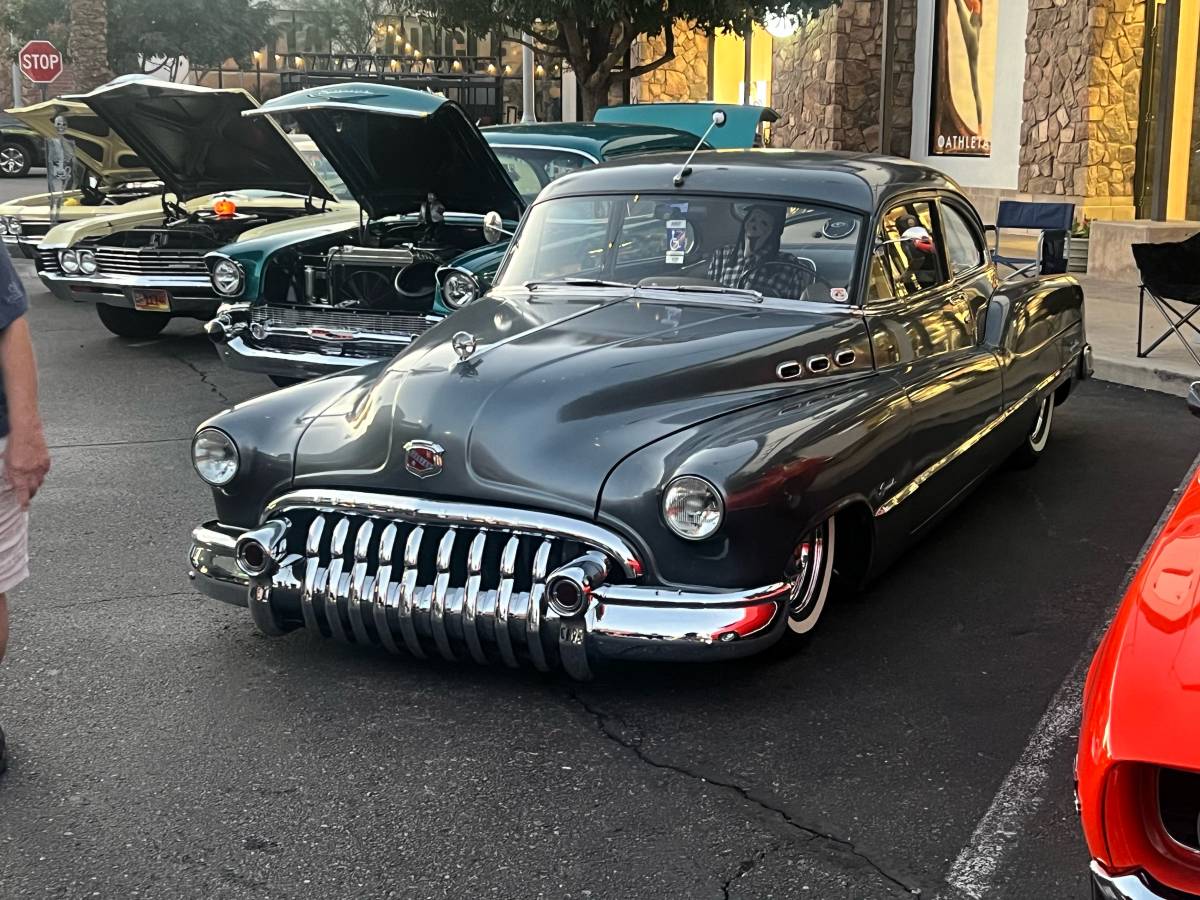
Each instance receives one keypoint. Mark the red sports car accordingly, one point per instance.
(1138, 768)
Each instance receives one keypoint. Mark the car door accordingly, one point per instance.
(925, 313)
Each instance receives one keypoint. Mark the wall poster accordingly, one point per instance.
(964, 77)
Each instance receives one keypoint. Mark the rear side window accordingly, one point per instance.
(908, 238)
(964, 243)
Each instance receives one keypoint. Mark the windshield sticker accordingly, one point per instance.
(676, 241)
(839, 295)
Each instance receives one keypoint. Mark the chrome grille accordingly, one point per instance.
(144, 261)
(401, 325)
(47, 261)
(456, 590)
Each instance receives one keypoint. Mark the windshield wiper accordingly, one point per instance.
(706, 289)
(579, 282)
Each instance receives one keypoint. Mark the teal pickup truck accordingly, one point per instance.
(307, 299)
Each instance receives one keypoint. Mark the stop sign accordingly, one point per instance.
(40, 62)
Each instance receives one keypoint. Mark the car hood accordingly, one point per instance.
(393, 146)
(196, 140)
(562, 388)
(1153, 651)
(97, 147)
(738, 132)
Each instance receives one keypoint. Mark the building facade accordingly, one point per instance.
(1087, 101)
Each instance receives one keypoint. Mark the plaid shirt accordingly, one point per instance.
(729, 264)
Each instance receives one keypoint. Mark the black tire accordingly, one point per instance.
(283, 381)
(15, 159)
(130, 323)
(1034, 444)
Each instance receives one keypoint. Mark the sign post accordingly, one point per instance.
(40, 62)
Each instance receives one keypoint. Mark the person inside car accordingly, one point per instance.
(755, 261)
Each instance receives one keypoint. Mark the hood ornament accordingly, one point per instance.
(464, 344)
(423, 458)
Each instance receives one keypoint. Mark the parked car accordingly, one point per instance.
(1138, 764)
(743, 126)
(111, 176)
(641, 443)
(222, 176)
(21, 148)
(306, 301)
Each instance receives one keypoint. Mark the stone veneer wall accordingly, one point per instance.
(825, 80)
(683, 78)
(1083, 68)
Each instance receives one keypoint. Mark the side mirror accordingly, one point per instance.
(1193, 399)
(718, 118)
(493, 228)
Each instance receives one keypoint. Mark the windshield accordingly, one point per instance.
(532, 168)
(786, 249)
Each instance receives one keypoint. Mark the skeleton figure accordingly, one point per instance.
(60, 166)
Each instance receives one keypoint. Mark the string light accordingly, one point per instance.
(456, 66)
(540, 71)
(491, 69)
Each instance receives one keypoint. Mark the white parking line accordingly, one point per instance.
(1021, 792)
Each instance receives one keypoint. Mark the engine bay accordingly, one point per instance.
(383, 267)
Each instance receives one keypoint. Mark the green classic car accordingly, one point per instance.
(112, 175)
(313, 300)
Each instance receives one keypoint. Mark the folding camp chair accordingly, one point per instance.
(1052, 220)
(1171, 279)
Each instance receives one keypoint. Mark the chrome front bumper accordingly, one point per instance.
(238, 353)
(1137, 886)
(350, 590)
(190, 296)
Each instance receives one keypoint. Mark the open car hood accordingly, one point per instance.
(196, 140)
(393, 146)
(739, 131)
(97, 147)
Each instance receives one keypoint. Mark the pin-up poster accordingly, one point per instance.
(964, 77)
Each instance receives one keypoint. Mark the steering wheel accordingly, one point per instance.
(804, 265)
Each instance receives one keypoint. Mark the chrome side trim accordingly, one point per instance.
(424, 511)
(911, 488)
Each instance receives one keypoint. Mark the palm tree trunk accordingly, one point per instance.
(88, 43)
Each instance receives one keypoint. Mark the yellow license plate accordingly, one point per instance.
(152, 301)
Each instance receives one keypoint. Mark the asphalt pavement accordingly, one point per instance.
(163, 749)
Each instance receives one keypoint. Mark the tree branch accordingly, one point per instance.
(616, 54)
(556, 52)
(668, 55)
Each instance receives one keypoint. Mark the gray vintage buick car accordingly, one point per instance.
(700, 394)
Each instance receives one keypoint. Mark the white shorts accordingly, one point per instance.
(14, 534)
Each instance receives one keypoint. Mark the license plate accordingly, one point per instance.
(152, 301)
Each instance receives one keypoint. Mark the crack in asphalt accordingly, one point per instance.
(204, 379)
(812, 832)
(118, 599)
(744, 868)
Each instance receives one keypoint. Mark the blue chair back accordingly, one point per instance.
(1039, 216)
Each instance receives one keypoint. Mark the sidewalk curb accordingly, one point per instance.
(1143, 374)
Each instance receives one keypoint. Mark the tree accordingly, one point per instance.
(350, 24)
(88, 43)
(594, 37)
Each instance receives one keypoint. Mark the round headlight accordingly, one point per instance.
(227, 277)
(87, 261)
(14, 225)
(459, 289)
(692, 508)
(69, 260)
(214, 456)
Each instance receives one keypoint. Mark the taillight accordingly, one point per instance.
(1150, 824)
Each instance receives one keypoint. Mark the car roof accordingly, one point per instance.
(859, 181)
(597, 139)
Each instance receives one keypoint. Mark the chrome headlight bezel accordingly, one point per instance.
(707, 507)
(68, 261)
(228, 277)
(215, 457)
(459, 287)
(14, 227)
(86, 260)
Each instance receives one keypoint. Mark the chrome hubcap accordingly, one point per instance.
(11, 160)
(806, 572)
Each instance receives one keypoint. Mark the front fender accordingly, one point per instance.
(781, 466)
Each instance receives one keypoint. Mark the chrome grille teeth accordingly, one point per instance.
(358, 581)
(471, 599)
(508, 567)
(537, 595)
(337, 585)
(406, 601)
(437, 601)
(382, 588)
(312, 572)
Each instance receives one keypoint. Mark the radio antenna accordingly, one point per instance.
(718, 121)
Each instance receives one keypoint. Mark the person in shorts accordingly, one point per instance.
(24, 458)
